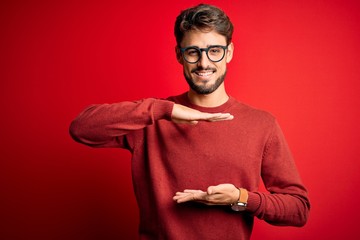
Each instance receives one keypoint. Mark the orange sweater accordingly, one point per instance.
(168, 157)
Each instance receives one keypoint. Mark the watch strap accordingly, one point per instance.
(244, 196)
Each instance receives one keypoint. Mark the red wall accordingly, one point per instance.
(296, 59)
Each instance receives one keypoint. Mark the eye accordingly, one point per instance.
(215, 50)
(192, 52)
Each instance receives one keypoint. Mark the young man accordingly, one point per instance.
(200, 180)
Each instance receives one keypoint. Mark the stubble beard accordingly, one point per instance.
(204, 89)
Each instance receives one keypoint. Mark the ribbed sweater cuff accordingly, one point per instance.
(162, 109)
(254, 201)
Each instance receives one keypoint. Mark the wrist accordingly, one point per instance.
(162, 109)
(244, 195)
(241, 203)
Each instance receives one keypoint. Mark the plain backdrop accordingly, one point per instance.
(297, 59)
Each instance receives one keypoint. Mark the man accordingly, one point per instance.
(198, 158)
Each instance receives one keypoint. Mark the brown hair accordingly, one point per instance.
(203, 17)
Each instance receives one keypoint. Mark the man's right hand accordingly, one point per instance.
(183, 114)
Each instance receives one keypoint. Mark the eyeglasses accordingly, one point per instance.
(193, 54)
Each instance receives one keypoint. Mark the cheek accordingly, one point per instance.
(187, 68)
(221, 67)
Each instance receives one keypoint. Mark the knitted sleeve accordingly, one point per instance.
(287, 203)
(106, 125)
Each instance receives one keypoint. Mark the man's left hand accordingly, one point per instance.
(223, 194)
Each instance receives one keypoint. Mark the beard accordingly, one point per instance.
(204, 89)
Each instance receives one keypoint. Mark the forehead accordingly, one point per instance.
(202, 39)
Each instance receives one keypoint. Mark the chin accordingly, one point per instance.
(206, 87)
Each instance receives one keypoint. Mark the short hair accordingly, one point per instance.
(205, 18)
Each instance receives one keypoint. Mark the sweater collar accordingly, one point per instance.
(184, 100)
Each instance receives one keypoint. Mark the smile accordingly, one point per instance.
(204, 74)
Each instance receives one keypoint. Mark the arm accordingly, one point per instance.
(106, 125)
(286, 204)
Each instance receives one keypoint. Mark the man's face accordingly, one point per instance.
(205, 76)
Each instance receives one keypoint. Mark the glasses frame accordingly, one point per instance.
(206, 50)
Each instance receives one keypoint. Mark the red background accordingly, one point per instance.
(296, 59)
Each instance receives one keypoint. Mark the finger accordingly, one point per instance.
(182, 121)
(210, 190)
(190, 195)
(179, 196)
(186, 193)
(220, 117)
(184, 198)
(192, 191)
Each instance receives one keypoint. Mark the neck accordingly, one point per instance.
(214, 99)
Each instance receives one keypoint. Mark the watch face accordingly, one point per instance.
(238, 206)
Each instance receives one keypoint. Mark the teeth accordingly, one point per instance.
(204, 73)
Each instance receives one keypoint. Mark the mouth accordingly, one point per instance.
(207, 73)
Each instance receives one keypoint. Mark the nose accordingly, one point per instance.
(204, 60)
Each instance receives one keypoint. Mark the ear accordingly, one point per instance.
(178, 55)
(229, 52)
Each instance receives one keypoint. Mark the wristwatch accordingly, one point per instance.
(241, 204)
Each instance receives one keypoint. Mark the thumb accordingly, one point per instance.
(194, 122)
(211, 190)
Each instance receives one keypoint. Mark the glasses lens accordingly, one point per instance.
(192, 55)
(216, 53)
